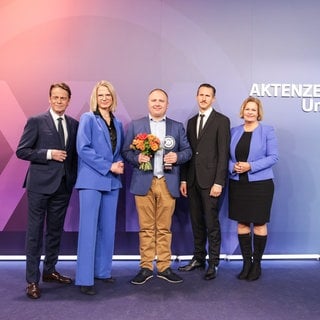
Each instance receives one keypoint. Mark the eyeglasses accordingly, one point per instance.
(104, 96)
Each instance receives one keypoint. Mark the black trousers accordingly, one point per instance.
(205, 223)
(49, 210)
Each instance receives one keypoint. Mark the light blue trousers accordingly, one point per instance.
(96, 235)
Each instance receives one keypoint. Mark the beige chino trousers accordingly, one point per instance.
(155, 211)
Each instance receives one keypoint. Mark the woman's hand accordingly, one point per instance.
(241, 167)
(117, 167)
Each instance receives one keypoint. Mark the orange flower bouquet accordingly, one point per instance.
(148, 144)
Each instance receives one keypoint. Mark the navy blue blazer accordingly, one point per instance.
(39, 135)
(96, 155)
(141, 180)
(263, 153)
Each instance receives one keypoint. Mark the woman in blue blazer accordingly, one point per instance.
(99, 142)
(253, 152)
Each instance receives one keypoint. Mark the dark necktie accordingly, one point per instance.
(200, 124)
(61, 133)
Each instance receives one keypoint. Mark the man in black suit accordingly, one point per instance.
(49, 143)
(203, 178)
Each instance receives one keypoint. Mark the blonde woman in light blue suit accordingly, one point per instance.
(99, 142)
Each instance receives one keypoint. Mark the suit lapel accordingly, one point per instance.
(104, 128)
(119, 133)
(51, 125)
(207, 124)
(147, 125)
(168, 127)
(50, 122)
(193, 128)
(69, 129)
(143, 126)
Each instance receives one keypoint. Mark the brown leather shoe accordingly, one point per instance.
(33, 291)
(56, 277)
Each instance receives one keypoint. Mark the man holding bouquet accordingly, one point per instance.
(156, 146)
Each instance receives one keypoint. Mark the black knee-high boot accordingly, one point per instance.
(246, 251)
(259, 244)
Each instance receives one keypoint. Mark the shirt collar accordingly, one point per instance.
(151, 119)
(56, 116)
(98, 113)
(206, 113)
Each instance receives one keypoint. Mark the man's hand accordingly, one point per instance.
(216, 190)
(142, 158)
(170, 157)
(58, 155)
(183, 189)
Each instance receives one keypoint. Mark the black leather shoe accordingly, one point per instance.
(56, 277)
(193, 264)
(107, 280)
(89, 290)
(33, 291)
(211, 272)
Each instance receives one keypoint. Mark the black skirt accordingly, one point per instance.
(250, 202)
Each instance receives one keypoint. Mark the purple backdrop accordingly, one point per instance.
(176, 45)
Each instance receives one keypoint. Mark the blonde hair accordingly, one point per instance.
(258, 103)
(93, 98)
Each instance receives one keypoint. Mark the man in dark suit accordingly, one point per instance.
(156, 190)
(203, 179)
(49, 143)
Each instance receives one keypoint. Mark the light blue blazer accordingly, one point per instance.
(95, 154)
(263, 153)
